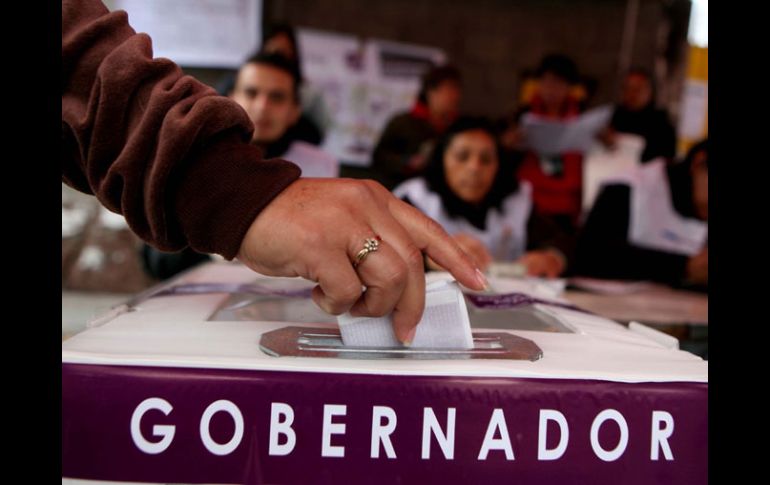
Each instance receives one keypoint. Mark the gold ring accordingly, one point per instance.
(370, 245)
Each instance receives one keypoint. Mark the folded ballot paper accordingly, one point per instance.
(444, 323)
(552, 137)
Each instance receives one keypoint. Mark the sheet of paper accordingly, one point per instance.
(445, 323)
(601, 163)
(549, 137)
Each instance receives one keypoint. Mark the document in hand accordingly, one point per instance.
(444, 324)
(550, 137)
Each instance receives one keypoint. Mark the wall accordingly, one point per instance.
(494, 41)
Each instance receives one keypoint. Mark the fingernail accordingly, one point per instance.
(410, 337)
(323, 305)
(482, 279)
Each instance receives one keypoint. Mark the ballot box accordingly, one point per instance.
(224, 376)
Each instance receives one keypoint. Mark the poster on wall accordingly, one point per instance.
(363, 82)
(692, 121)
(197, 33)
(332, 65)
(693, 109)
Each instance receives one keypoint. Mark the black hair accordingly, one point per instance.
(436, 75)
(287, 30)
(641, 72)
(559, 65)
(700, 147)
(680, 177)
(505, 182)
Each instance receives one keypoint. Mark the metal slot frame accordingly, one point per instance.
(327, 343)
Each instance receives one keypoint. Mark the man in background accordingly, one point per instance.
(267, 88)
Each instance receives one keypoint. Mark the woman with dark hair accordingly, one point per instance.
(651, 224)
(638, 114)
(472, 191)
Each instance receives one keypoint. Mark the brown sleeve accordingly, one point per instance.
(155, 145)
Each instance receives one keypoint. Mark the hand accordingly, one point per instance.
(608, 137)
(546, 263)
(315, 228)
(698, 267)
(473, 248)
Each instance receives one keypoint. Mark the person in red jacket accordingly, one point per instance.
(174, 158)
(408, 138)
(556, 180)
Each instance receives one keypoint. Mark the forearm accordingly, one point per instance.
(153, 144)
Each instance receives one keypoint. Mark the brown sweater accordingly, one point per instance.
(155, 145)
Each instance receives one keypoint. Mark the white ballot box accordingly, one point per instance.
(223, 376)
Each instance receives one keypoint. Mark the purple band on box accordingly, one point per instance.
(513, 300)
(232, 426)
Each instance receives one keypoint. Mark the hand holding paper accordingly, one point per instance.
(550, 137)
(445, 323)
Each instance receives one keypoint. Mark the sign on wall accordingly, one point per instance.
(198, 33)
(364, 83)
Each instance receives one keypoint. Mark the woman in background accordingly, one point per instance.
(651, 224)
(472, 191)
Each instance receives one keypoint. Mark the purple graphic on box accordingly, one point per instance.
(239, 426)
(513, 300)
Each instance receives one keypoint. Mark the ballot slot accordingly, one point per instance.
(295, 341)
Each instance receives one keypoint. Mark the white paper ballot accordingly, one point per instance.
(602, 163)
(550, 137)
(444, 324)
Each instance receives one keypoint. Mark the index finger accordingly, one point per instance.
(430, 237)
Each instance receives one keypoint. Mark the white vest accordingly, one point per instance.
(313, 161)
(506, 231)
(653, 221)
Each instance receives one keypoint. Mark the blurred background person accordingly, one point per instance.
(473, 193)
(408, 138)
(651, 225)
(267, 87)
(556, 180)
(316, 118)
(637, 114)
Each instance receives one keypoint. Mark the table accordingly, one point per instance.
(681, 313)
(655, 304)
